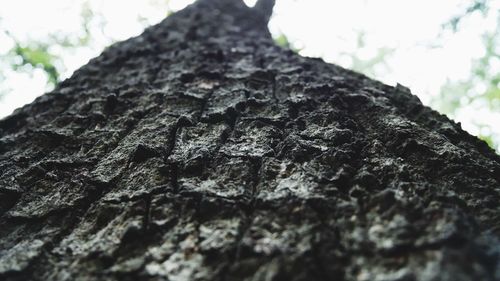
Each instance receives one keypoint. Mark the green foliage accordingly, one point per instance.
(484, 73)
(481, 90)
(369, 66)
(37, 56)
(489, 140)
(28, 54)
(449, 99)
(282, 41)
(481, 6)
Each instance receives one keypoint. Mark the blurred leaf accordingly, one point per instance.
(488, 139)
(480, 91)
(37, 56)
(282, 41)
(369, 66)
(481, 6)
(449, 99)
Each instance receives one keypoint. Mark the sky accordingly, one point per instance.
(421, 55)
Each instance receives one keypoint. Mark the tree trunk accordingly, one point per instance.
(200, 150)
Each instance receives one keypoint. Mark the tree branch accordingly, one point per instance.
(264, 8)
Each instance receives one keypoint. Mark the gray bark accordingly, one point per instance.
(200, 150)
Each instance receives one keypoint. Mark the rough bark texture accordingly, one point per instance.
(201, 151)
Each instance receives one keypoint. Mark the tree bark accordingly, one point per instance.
(200, 150)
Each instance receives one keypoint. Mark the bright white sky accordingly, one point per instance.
(422, 59)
